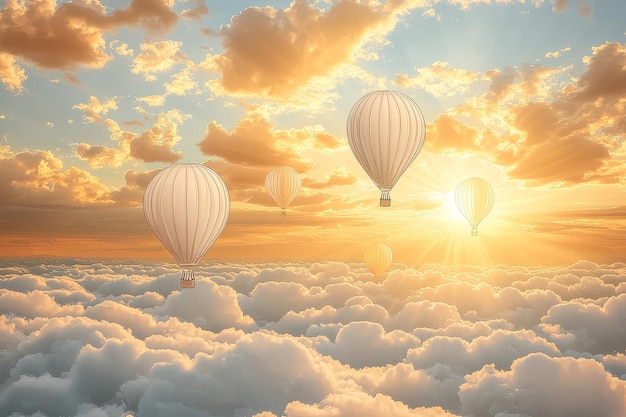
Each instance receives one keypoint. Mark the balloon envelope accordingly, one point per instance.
(474, 198)
(283, 185)
(378, 258)
(186, 206)
(386, 132)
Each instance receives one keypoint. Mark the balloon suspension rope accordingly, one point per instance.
(385, 199)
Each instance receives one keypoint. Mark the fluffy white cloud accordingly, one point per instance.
(540, 386)
(111, 339)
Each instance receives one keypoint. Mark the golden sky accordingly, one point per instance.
(97, 97)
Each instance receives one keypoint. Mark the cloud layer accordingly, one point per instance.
(322, 339)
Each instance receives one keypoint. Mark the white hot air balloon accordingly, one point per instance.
(474, 198)
(386, 131)
(283, 184)
(186, 206)
(378, 258)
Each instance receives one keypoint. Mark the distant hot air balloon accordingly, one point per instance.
(474, 198)
(386, 132)
(186, 207)
(283, 184)
(378, 258)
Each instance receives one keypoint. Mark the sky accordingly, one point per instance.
(96, 97)
(526, 319)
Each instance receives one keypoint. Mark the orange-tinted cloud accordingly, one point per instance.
(70, 35)
(440, 79)
(277, 51)
(542, 129)
(196, 12)
(339, 176)
(11, 74)
(157, 56)
(37, 178)
(98, 156)
(583, 9)
(557, 160)
(131, 194)
(606, 74)
(252, 142)
(556, 54)
(93, 111)
(446, 133)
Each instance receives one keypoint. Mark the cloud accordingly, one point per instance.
(99, 156)
(157, 56)
(541, 127)
(152, 145)
(446, 133)
(382, 348)
(94, 110)
(338, 176)
(37, 178)
(583, 9)
(253, 142)
(303, 41)
(211, 307)
(11, 74)
(606, 73)
(556, 54)
(597, 328)
(197, 12)
(569, 160)
(109, 338)
(540, 386)
(440, 80)
(71, 35)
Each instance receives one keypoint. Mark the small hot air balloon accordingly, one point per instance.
(186, 207)
(283, 184)
(474, 198)
(386, 131)
(378, 258)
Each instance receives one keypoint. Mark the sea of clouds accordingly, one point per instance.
(110, 339)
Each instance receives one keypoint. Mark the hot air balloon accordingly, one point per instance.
(474, 198)
(386, 132)
(186, 206)
(283, 184)
(378, 258)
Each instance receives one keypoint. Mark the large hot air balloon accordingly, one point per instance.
(283, 184)
(474, 198)
(378, 258)
(386, 132)
(186, 207)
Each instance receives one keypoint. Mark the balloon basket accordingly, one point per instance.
(187, 283)
(187, 280)
(474, 231)
(385, 203)
(283, 213)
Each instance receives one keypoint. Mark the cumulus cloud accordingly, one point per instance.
(541, 126)
(266, 340)
(11, 74)
(304, 41)
(69, 35)
(440, 79)
(156, 57)
(38, 178)
(540, 386)
(252, 142)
